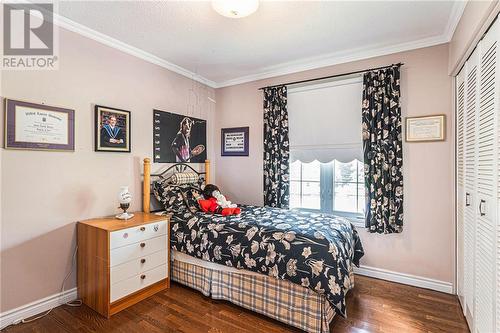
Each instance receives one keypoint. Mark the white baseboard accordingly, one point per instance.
(25, 311)
(412, 280)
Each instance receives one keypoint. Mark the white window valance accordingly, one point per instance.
(325, 121)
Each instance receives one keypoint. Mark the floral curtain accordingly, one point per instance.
(276, 148)
(383, 151)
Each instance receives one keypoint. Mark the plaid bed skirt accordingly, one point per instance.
(278, 299)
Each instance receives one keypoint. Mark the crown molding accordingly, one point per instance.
(485, 23)
(334, 59)
(353, 54)
(330, 59)
(454, 18)
(78, 28)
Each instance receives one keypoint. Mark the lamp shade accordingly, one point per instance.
(235, 8)
(124, 196)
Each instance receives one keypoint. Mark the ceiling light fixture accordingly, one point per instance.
(235, 8)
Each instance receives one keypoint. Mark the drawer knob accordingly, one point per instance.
(143, 228)
(143, 261)
(143, 277)
(143, 244)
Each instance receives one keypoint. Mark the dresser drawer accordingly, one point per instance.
(137, 282)
(137, 266)
(136, 234)
(137, 250)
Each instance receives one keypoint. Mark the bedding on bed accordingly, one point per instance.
(314, 250)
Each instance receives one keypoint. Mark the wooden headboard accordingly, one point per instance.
(146, 191)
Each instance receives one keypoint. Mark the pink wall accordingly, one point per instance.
(45, 193)
(42, 194)
(425, 248)
(475, 19)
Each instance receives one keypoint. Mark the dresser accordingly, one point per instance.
(122, 262)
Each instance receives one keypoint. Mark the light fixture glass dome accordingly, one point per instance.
(235, 8)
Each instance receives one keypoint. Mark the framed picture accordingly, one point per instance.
(234, 141)
(178, 138)
(38, 127)
(112, 129)
(424, 129)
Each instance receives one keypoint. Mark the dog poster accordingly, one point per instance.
(178, 138)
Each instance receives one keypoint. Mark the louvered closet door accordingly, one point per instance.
(460, 96)
(487, 184)
(470, 118)
(497, 169)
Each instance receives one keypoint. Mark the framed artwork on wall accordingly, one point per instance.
(178, 138)
(234, 141)
(38, 127)
(112, 129)
(425, 129)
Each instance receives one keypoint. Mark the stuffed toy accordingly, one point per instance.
(216, 202)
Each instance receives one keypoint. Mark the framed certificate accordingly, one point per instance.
(234, 141)
(38, 127)
(427, 128)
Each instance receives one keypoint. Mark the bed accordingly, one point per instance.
(293, 266)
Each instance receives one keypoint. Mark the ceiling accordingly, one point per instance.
(281, 37)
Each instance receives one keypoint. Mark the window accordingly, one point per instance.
(325, 129)
(335, 187)
(349, 187)
(325, 121)
(305, 185)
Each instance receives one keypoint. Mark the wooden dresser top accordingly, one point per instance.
(112, 224)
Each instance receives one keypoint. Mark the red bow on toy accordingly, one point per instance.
(210, 206)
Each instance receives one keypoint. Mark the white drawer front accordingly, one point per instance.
(137, 250)
(138, 282)
(137, 266)
(136, 234)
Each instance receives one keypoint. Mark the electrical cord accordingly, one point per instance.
(74, 303)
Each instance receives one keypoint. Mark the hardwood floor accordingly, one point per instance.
(373, 306)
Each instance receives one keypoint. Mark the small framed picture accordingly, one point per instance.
(38, 127)
(112, 129)
(425, 129)
(234, 141)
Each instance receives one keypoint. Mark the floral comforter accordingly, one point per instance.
(313, 250)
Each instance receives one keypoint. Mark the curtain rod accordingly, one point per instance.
(332, 76)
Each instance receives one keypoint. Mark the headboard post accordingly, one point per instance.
(146, 186)
(207, 171)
